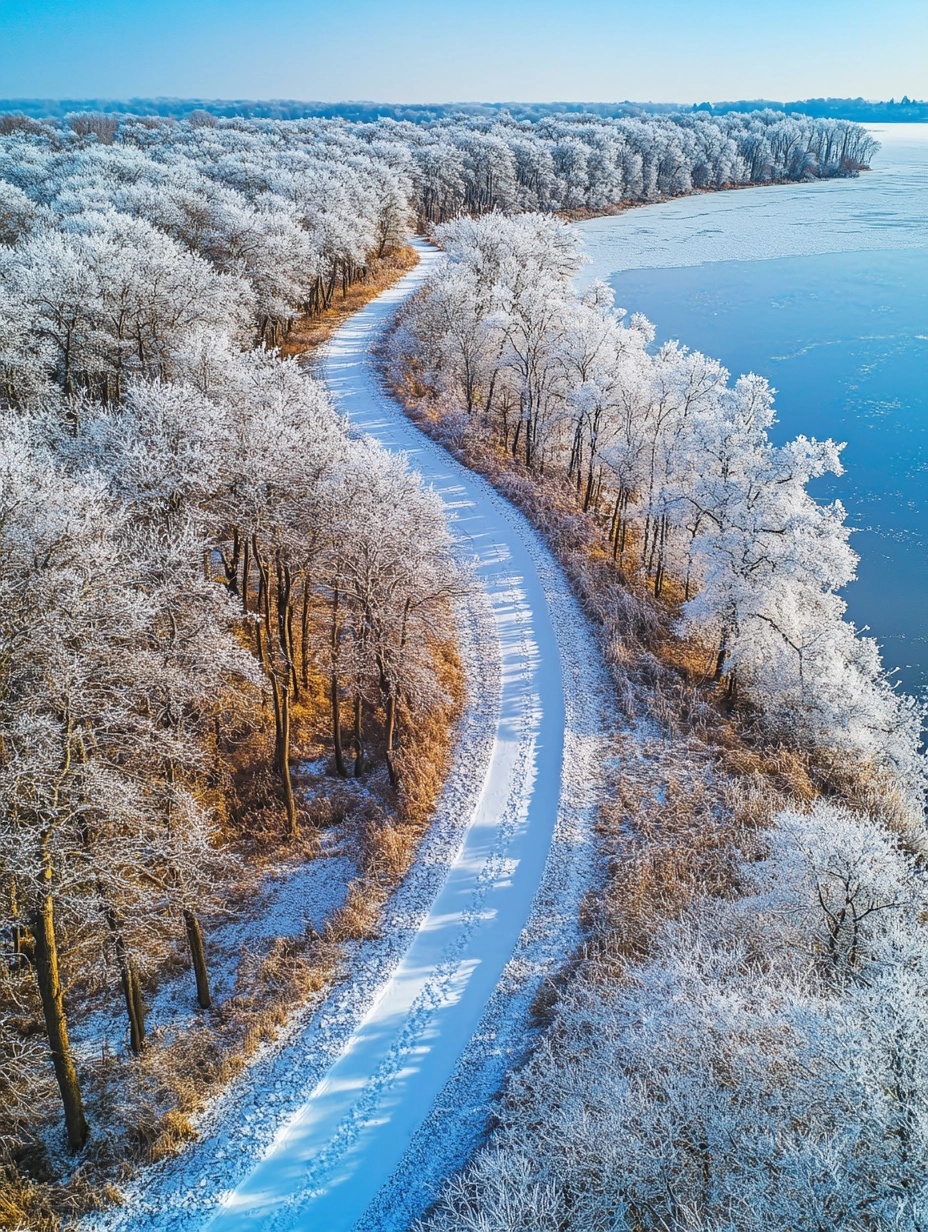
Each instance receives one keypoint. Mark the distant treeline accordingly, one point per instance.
(864, 111)
(860, 109)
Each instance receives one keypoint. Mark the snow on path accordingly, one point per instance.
(356, 1116)
(328, 1163)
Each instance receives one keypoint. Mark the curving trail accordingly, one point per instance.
(371, 1134)
(327, 1165)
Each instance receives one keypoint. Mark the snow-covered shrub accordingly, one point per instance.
(765, 1067)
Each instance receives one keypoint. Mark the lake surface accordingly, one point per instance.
(822, 288)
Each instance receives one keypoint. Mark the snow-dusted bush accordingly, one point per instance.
(765, 1068)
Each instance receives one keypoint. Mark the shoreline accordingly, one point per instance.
(587, 214)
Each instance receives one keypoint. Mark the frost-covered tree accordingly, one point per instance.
(389, 570)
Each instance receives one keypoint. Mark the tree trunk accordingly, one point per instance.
(358, 737)
(56, 1027)
(246, 570)
(621, 541)
(336, 709)
(573, 467)
(135, 1005)
(280, 688)
(291, 642)
(231, 566)
(337, 730)
(131, 988)
(304, 635)
(19, 934)
(661, 556)
(285, 620)
(590, 486)
(391, 732)
(489, 402)
(655, 532)
(720, 659)
(263, 609)
(198, 958)
(129, 982)
(614, 526)
(281, 693)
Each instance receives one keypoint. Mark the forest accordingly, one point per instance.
(204, 573)
(203, 576)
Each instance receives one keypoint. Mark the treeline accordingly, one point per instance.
(192, 547)
(860, 110)
(389, 171)
(581, 163)
(742, 1044)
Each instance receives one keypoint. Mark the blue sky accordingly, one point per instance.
(412, 51)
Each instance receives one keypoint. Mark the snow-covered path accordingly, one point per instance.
(415, 1058)
(328, 1163)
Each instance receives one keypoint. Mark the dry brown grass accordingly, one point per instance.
(310, 332)
(30, 1206)
(425, 755)
(359, 915)
(24, 1204)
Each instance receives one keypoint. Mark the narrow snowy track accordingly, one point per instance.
(327, 1165)
(409, 1069)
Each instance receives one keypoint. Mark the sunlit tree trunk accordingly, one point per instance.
(56, 1026)
(198, 958)
(131, 987)
(358, 736)
(336, 709)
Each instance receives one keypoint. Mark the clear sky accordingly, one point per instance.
(464, 50)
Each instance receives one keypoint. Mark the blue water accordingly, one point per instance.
(829, 301)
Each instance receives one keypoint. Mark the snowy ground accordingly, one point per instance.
(292, 896)
(353, 1118)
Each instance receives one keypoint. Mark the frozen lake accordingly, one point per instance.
(822, 288)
